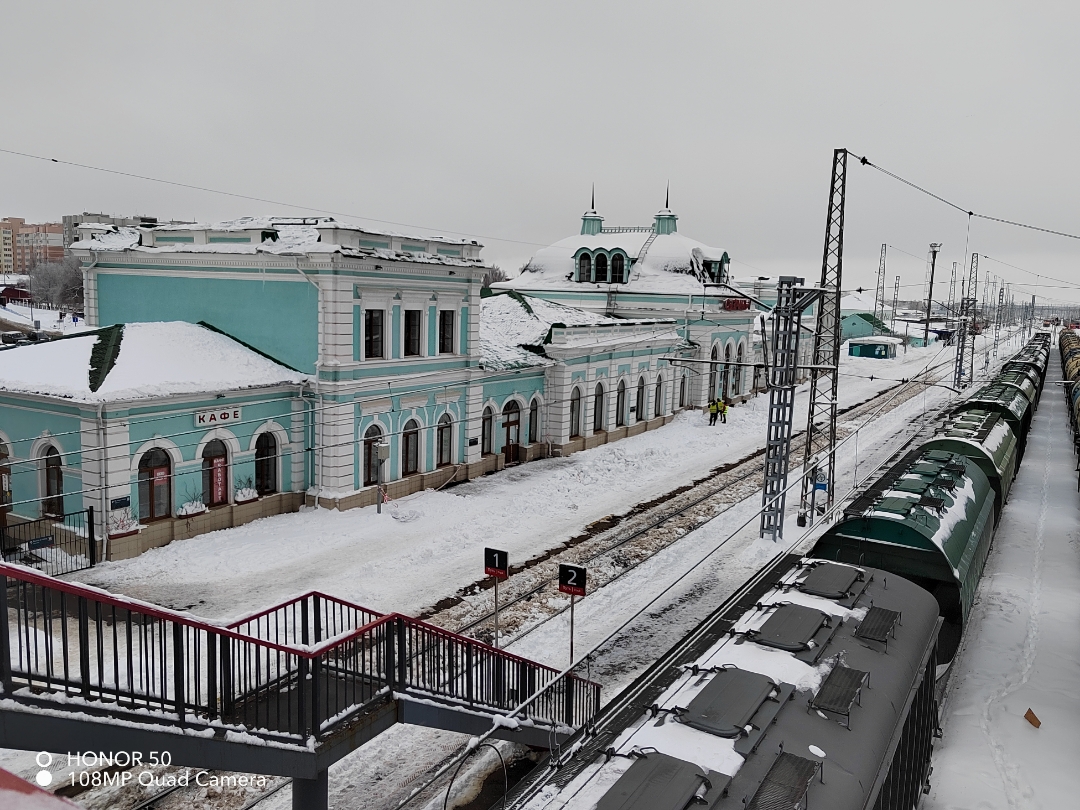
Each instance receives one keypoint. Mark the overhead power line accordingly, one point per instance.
(261, 199)
(866, 162)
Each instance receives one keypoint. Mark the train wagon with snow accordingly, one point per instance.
(985, 438)
(812, 687)
(928, 518)
(1021, 379)
(1010, 402)
(1029, 372)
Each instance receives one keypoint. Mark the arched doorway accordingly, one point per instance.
(682, 391)
(598, 408)
(727, 372)
(215, 473)
(155, 485)
(410, 448)
(620, 404)
(53, 504)
(443, 436)
(740, 359)
(639, 406)
(712, 374)
(512, 428)
(266, 457)
(658, 397)
(372, 436)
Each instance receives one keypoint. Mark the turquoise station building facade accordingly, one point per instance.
(352, 345)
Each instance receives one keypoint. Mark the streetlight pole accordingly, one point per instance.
(934, 248)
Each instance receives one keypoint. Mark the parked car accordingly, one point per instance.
(11, 338)
(36, 336)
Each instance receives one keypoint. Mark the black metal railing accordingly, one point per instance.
(54, 544)
(294, 671)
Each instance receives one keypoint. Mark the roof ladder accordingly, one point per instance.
(645, 247)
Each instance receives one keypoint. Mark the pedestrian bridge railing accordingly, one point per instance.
(297, 671)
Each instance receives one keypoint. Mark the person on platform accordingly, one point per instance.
(714, 411)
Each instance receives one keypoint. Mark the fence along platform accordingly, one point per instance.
(309, 672)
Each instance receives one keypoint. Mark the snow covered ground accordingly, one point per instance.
(1022, 650)
(429, 545)
(49, 318)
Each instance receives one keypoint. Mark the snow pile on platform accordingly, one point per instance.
(154, 359)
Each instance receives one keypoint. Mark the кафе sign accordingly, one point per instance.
(219, 416)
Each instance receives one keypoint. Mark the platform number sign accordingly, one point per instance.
(496, 563)
(572, 580)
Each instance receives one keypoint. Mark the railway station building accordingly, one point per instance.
(366, 343)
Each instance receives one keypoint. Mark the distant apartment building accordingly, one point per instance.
(24, 244)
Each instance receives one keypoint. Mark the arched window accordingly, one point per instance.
(54, 483)
(215, 473)
(372, 436)
(266, 463)
(620, 404)
(639, 406)
(601, 267)
(442, 438)
(598, 408)
(487, 430)
(410, 448)
(534, 421)
(727, 372)
(658, 397)
(512, 431)
(155, 485)
(682, 391)
(739, 358)
(584, 268)
(575, 412)
(712, 374)
(618, 263)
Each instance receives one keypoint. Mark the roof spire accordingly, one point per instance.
(667, 196)
(592, 204)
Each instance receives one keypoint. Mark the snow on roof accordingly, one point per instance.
(672, 264)
(877, 339)
(153, 360)
(857, 301)
(510, 321)
(295, 235)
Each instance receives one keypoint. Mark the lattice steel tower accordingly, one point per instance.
(964, 371)
(784, 348)
(879, 292)
(820, 452)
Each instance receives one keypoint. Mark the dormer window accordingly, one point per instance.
(618, 264)
(601, 268)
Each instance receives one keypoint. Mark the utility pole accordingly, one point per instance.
(879, 291)
(934, 248)
(820, 448)
(949, 314)
(999, 317)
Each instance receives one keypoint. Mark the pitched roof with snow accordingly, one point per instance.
(510, 322)
(139, 361)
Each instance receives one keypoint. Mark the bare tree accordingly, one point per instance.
(58, 283)
(494, 274)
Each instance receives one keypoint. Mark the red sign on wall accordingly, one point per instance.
(219, 480)
(736, 303)
(161, 476)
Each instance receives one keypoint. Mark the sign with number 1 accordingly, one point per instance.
(496, 563)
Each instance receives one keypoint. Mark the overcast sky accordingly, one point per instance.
(494, 119)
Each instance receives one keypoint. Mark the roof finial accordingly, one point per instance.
(667, 196)
(592, 205)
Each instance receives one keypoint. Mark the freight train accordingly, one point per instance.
(931, 516)
(1069, 345)
(814, 685)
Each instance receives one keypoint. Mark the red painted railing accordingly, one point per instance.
(294, 670)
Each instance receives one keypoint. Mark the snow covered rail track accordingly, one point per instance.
(626, 542)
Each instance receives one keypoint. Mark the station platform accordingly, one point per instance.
(1022, 651)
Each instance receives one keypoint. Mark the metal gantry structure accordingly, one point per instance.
(895, 300)
(964, 370)
(998, 317)
(879, 291)
(791, 300)
(820, 450)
